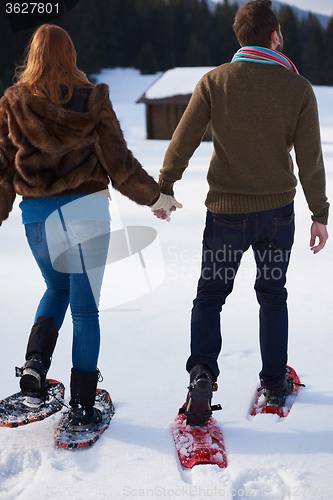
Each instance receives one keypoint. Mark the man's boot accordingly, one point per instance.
(198, 403)
(278, 395)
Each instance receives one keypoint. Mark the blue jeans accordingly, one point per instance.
(71, 256)
(226, 238)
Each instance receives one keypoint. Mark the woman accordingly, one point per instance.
(60, 146)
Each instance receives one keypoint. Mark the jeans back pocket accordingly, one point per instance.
(34, 232)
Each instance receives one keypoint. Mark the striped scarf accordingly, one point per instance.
(263, 56)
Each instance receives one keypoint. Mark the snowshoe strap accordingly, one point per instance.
(261, 388)
(216, 407)
(100, 376)
(61, 402)
(182, 410)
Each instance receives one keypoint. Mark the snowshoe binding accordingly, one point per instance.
(33, 382)
(197, 408)
(277, 396)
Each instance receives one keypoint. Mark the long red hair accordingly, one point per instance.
(51, 62)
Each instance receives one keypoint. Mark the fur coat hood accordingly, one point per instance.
(46, 150)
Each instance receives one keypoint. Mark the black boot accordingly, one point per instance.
(278, 395)
(41, 344)
(198, 403)
(83, 415)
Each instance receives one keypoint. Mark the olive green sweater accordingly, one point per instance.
(258, 113)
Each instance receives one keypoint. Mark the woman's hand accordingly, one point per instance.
(163, 207)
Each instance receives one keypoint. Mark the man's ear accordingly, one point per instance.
(275, 39)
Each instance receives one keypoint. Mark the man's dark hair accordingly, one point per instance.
(255, 22)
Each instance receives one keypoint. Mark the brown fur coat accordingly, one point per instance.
(46, 150)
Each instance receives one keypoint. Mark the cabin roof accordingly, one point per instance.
(174, 86)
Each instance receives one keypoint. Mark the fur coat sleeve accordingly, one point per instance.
(7, 157)
(126, 173)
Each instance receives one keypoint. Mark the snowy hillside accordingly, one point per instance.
(145, 344)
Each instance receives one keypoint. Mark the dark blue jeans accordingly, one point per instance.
(71, 256)
(226, 238)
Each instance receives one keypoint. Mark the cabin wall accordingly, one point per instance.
(162, 120)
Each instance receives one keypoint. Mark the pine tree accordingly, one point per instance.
(146, 60)
(329, 53)
(160, 34)
(314, 51)
(223, 42)
(291, 35)
(12, 49)
(82, 24)
(197, 53)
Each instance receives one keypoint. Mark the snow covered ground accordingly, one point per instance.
(145, 344)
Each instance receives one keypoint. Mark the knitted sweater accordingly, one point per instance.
(258, 114)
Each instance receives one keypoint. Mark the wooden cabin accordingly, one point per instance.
(166, 100)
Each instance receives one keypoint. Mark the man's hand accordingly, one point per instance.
(318, 230)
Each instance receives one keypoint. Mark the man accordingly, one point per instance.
(259, 108)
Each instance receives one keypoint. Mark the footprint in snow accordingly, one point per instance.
(260, 483)
(18, 469)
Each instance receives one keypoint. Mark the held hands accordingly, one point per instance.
(164, 206)
(318, 230)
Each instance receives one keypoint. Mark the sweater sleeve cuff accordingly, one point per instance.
(166, 187)
(322, 218)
